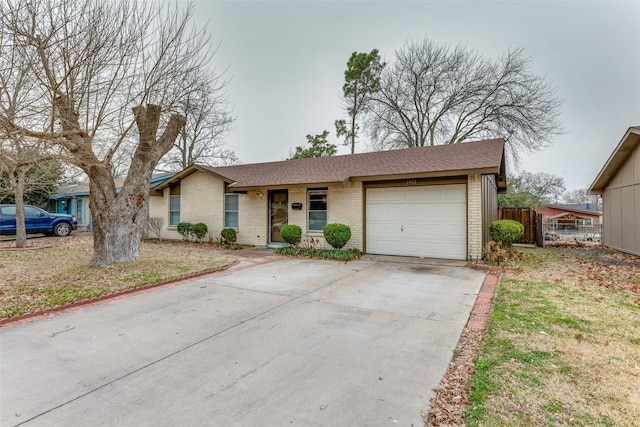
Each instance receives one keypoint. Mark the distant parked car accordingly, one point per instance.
(36, 221)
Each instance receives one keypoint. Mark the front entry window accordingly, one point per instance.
(279, 217)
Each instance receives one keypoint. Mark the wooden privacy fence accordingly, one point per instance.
(531, 220)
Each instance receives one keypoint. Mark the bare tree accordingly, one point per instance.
(201, 140)
(24, 168)
(24, 161)
(41, 178)
(103, 69)
(581, 196)
(531, 190)
(433, 94)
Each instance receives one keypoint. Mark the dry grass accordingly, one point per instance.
(55, 272)
(563, 343)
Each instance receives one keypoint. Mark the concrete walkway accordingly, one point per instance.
(270, 342)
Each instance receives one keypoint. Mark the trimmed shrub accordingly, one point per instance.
(292, 234)
(200, 230)
(506, 231)
(229, 234)
(337, 254)
(185, 229)
(337, 235)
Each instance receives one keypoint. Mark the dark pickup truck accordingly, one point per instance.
(36, 220)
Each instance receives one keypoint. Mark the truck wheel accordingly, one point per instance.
(62, 230)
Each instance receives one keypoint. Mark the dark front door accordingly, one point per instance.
(278, 214)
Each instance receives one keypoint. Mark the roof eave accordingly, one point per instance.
(157, 189)
(625, 147)
(387, 177)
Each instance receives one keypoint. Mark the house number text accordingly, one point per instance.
(412, 182)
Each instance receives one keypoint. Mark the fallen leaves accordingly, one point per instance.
(589, 266)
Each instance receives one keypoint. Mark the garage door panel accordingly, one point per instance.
(428, 221)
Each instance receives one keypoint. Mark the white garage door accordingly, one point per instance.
(428, 221)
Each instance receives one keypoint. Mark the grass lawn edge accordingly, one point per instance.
(85, 302)
(450, 398)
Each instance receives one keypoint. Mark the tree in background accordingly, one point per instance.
(201, 140)
(102, 71)
(318, 146)
(362, 80)
(41, 181)
(531, 190)
(27, 171)
(432, 94)
(581, 196)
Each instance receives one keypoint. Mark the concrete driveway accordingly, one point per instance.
(281, 342)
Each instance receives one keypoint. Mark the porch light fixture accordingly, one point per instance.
(259, 195)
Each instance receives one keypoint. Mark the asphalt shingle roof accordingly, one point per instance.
(485, 155)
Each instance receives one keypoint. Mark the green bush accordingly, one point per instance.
(337, 235)
(199, 230)
(292, 234)
(336, 254)
(506, 231)
(229, 234)
(185, 229)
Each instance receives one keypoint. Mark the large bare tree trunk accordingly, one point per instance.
(18, 192)
(119, 219)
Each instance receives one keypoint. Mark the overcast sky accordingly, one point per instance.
(287, 59)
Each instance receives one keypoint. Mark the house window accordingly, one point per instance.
(231, 211)
(589, 222)
(316, 210)
(174, 210)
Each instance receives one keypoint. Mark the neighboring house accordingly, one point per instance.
(74, 200)
(619, 184)
(584, 217)
(428, 201)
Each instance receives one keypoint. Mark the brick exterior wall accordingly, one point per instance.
(202, 200)
(474, 217)
(252, 218)
(345, 205)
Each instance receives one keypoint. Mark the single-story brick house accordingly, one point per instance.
(619, 184)
(427, 201)
(584, 216)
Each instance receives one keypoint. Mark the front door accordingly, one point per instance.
(278, 216)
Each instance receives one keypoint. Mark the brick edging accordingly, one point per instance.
(480, 313)
(484, 302)
(35, 315)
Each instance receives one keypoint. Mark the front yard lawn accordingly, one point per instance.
(562, 346)
(56, 275)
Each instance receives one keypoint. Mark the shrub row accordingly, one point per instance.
(199, 230)
(337, 235)
(337, 254)
(190, 231)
